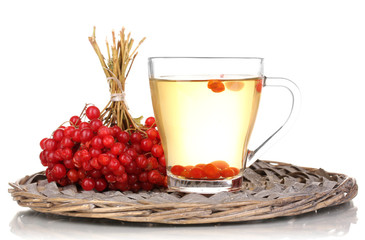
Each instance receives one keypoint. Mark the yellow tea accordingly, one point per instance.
(205, 120)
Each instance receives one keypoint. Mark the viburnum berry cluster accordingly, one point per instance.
(99, 157)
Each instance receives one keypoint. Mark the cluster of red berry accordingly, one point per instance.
(100, 157)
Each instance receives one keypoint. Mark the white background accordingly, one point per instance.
(48, 71)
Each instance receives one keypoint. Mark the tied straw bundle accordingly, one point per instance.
(116, 69)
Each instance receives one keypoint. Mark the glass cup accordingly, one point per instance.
(205, 110)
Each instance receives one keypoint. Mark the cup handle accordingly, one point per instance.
(253, 155)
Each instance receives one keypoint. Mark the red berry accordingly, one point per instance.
(92, 112)
(100, 184)
(152, 163)
(211, 171)
(132, 178)
(58, 171)
(147, 186)
(152, 133)
(58, 155)
(84, 125)
(95, 163)
(86, 135)
(117, 148)
(162, 169)
(63, 181)
(197, 172)
(86, 166)
(113, 164)
(43, 158)
(227, 172)
(105, 170)
(76, 136)
(216, 86)
(110, 178)
(72, 175)
(220, 164)
(146, 144)
(235, 170)
(103, 131)
(88, 184)
(125, 159)
(95, 124)
(111, 155)
(50, 155)
(94, 152)
(150, 122)
(49, 175)
(85, 155)
(123, 178)
(155, 177)
(115, 130)
(136, 137)
(42, 143)
(66, 153)
(68, 163)
(135, 187)
(141, 161)
(77, 159)
(58, 135)
(75, 120)
(108, 141)
(137, 147)
(95, 173)
(51, 144)
(162, 161)
(67, 142)
(259, 86)
(177, 170)
(97, 142)
(121, 186)
(104, 159)
(132, 152)
(123, 137)
(119, 171)
(157, 150)
(81, 173)
(69, 131)
(143, 177)
(131, 168)
(186, 173)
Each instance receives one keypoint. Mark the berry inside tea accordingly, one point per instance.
(205, 123)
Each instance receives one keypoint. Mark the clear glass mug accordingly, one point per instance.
(205, 110)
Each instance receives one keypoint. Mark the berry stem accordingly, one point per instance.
(118, 65)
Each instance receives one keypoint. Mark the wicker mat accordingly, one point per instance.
(271, 189)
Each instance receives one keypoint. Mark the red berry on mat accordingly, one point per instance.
(136, 137)
(92, 112)
(150, 122)
(72, 175)
(58, 135)
(75, 120)
(58, 171)
(108, 141)
(100, 184)
(146, 144)
(95, 124)
(157, 150)
(88, 184)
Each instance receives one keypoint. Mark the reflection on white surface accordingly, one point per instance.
(333, 221)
